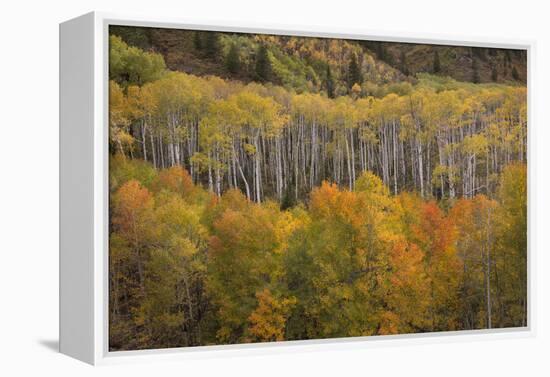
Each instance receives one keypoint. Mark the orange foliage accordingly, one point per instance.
(389, 324)
(176, 179)
(435, 231)
(328, 201)
(131, 204)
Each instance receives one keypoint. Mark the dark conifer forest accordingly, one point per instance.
(268, 188)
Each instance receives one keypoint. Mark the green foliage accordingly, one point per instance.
(133, 36)
(329, 83)
(354, 72)
(122, 170)
(212, 47)
(440, 84)
(131, 66)
(233, 60)
(263, 64)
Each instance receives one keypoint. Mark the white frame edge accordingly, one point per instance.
(76, 199)
(84, 191)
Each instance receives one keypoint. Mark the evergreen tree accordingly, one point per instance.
(134, 36)
(437, 63)
(329, 83)
(263, 64)
(515, 74)
(389, 58)
(197, 40)
(212, 45)
(289, 199)
(380, 51)
(354, 72)
(233, 60)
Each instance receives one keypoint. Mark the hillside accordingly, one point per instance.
(302, 64)
(473, 64)
(317, 64)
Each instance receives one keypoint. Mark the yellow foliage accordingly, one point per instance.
(267, 321)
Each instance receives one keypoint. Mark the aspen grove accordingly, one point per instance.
(252, 212)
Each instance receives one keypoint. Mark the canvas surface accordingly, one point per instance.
(268, 188)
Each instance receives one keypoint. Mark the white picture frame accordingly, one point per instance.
(84, 191)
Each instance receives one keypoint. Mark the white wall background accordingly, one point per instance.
(29, 184)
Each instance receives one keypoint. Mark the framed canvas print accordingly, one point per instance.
(233, 188)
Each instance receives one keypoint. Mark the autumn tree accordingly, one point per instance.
(188, 268)
(406, 303)
(432, 232)
(174, 303)
(476, 247)
(119, 120)
(336, 262)
(268, 320)
(246, 247)
(511, 239)
(133, 232)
